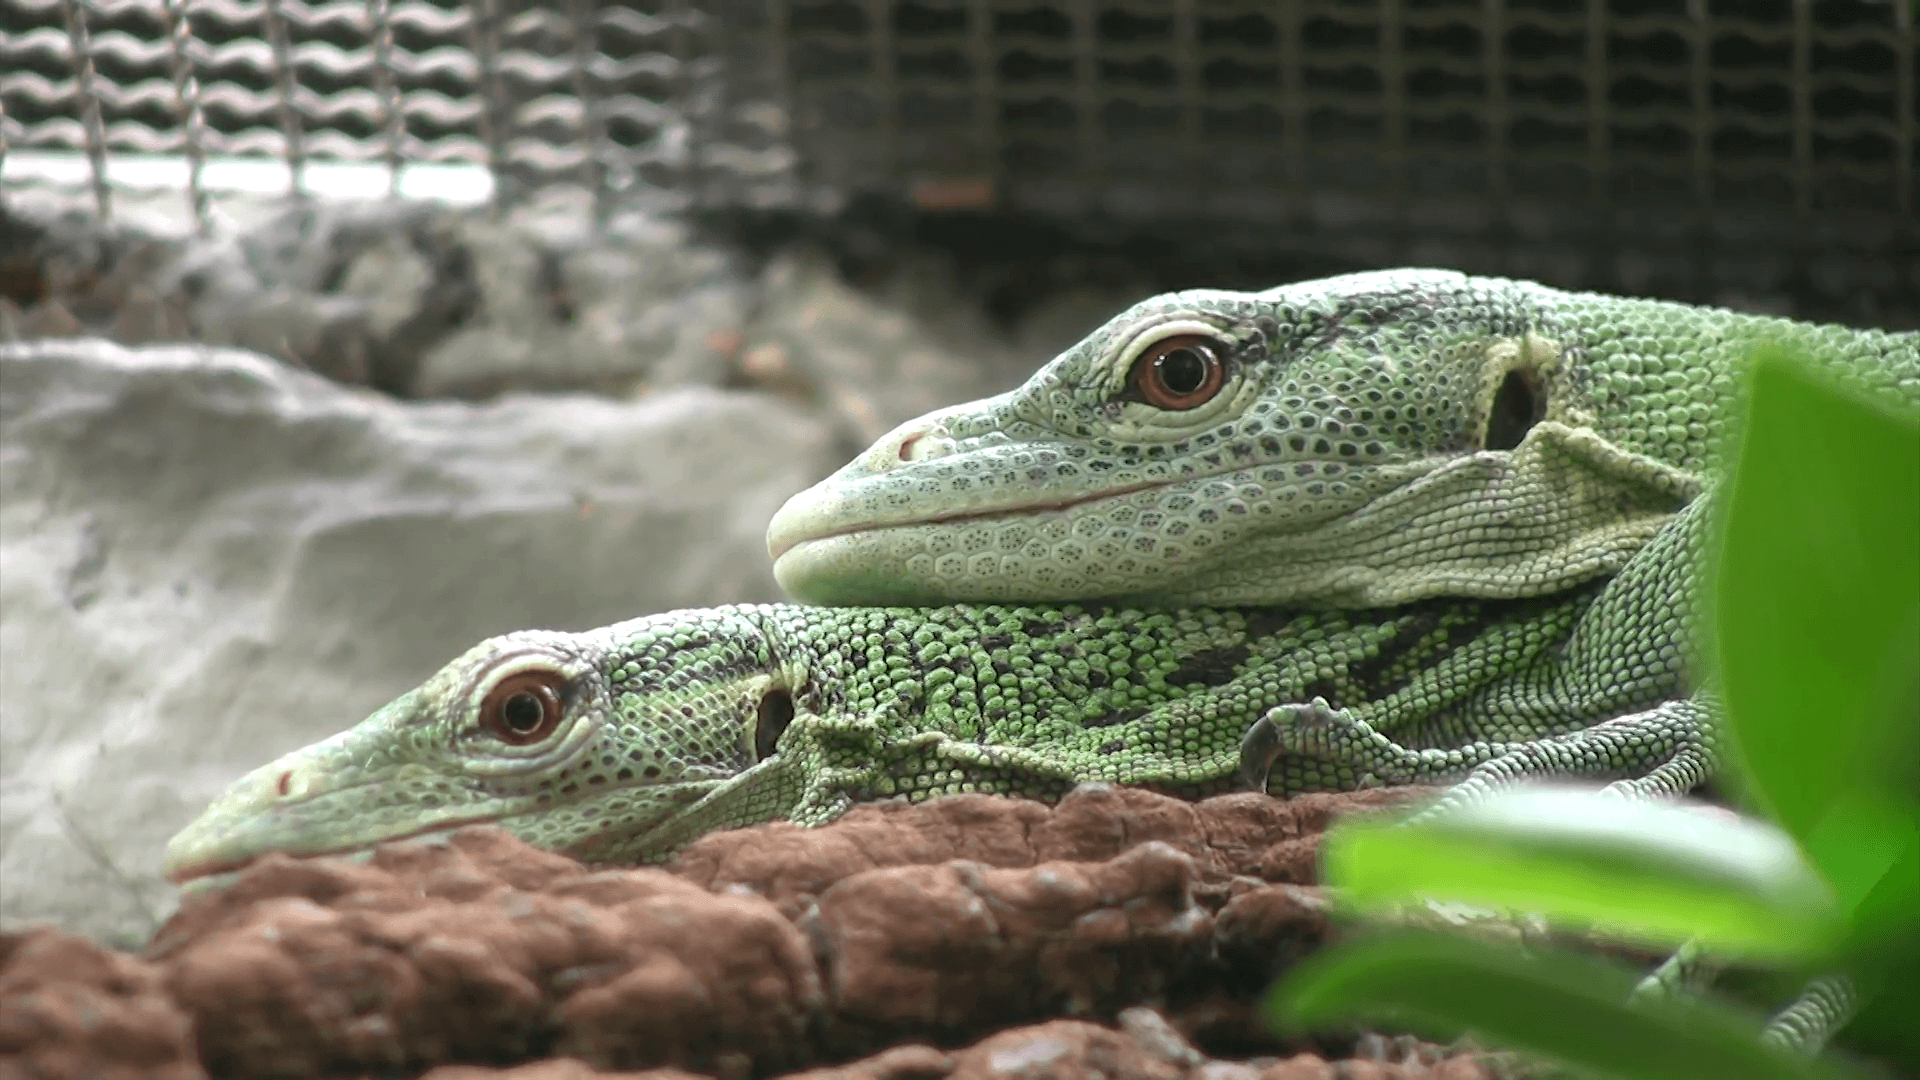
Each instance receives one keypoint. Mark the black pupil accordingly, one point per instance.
(1183, 370)
(523, 711)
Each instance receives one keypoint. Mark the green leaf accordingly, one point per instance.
(1817, 620)
(1568, 1007)
(1653, 872)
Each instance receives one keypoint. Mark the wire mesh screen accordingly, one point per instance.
(1701, 149)
(620, 97)
(1693, 148)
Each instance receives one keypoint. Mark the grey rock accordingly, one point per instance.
(207, 559)
(77, 275)
(874, 360)
(391, 276)
(355, 291)
(427, 301)
(564, 304)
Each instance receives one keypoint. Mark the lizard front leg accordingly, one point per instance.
(1608, 705)
(1661, 752)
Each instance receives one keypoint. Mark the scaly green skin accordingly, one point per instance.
(1379, 439)
(1587, 679)
(657, 743)
(1344, 462)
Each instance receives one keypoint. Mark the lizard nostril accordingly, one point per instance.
(286, 782)
(906, 445)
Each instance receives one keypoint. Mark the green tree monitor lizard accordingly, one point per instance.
(625, 742)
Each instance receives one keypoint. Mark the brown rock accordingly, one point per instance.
(914, 1061)
(1278, 840)
(958, 947)
(552, 1069)
(1145, 1048)
(721, 981)
(482, 949)
(73, 1010)
(144, 316)
(791, 865)
(1154, 1034)
(1098, 821)
(1224, 1070)
(1301, 1067)
(1265, 931)
(50, 319)
(1061, 1050)
(764, 949)
(1228, 835)
(322, 881)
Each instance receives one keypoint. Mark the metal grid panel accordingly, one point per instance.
(1702, 149)
(612, 95)
(1684, 147)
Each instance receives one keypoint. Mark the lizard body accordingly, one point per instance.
(1367, 440)
(1409, 413)
(625, 742)
(1360, 441)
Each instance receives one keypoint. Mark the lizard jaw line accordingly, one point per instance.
(1030, 509)
(209, 867)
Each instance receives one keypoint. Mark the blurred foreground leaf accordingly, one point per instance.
(1817, 626)
(1817, 640)
(1563, 1006)
(1650, 872)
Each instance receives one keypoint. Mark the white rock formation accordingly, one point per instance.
(207, 559)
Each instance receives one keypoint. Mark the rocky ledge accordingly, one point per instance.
(947, 939)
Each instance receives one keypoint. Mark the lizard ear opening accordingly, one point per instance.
(776, 712)
(1520, 403)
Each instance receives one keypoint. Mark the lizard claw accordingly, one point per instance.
(1268, 738)
(1258, 748)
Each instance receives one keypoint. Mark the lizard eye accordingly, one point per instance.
(776, 712)
(1180, 372)
(524, 708)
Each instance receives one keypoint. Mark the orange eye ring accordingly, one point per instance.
(1180, 372)
(523, 708)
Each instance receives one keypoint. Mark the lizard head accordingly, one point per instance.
(1331, 441)
(581, 743)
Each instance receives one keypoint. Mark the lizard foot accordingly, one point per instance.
(1823, 1008)
(1663, 753)
(1688, 971)
(1283, 730)
(1365, 757)
(847, 760)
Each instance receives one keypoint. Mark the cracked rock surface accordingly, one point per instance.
(899, 944)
